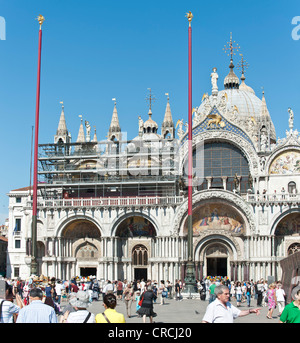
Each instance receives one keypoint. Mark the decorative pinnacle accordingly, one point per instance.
(242, 66)
(189, 16)
(151, 99)
(231, 48)
(40, 19)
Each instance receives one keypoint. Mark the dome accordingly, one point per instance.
(247, 102)
(150, 122)
(244, 87)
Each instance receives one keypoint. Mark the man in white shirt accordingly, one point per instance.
(58, 288)
(280, 293)
(221, 310)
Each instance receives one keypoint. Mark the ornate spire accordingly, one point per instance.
(62, 127)
(95, 139)
(168, 125)
(81, 136)
(231, 80)
(264, 109)
(114, 131)
(62, 133)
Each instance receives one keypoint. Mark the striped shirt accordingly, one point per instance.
(8, 309)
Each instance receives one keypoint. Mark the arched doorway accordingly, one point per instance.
(81, 240)
(216, 260)
(140, 262)
(135, 236)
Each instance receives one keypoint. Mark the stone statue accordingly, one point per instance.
(180, 131)
(291, 119)
(214, 78)
(141, 125)
(250, 181)
(236, 181)
(88, 127)
(263, 141)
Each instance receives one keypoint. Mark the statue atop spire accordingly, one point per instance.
(214, 78)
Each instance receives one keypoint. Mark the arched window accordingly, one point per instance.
(292, 187)
(295, 247)
(139, 255)
(222, 161)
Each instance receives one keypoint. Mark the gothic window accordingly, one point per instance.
(140, 255)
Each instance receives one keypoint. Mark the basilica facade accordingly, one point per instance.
(117, 208)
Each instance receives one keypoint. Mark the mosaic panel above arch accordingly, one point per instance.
(81, 229)
(287, 162)
(289, 225)
(216, 216)
(136, 227)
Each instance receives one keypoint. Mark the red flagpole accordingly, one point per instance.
(35, 163)
(190, 267)
(190, 138)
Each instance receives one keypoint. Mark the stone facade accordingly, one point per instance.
(93, 219)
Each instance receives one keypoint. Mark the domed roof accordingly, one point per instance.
(150, 122)
(247, 103)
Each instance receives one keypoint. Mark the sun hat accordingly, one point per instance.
(79, 299)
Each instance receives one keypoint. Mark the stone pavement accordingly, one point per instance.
(184, 311)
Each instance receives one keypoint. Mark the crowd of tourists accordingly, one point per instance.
(66, 301)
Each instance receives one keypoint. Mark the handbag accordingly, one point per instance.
(141, 300)
(164, 294)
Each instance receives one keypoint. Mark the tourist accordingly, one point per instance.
(271, 300)
(221, 310)
(162, 292)
(128, 297)
(137, 299)
(291, 312)
(120, 286)
(8, 310)
(80, 302)
(259, 291)
(211, 289)
(110, 315)
(248, 293)
(146, 309)
(177, 290)
(58, 288)
(36, 311)
(280, 296)
(238, 293)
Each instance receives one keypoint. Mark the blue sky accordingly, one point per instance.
(94, 51)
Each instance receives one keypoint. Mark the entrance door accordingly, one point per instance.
(140, 273)
(88, 271)
(217, 266)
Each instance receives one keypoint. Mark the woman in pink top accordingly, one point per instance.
(272, 301)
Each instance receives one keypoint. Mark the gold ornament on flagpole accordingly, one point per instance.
(189, 16)
(40, 19)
